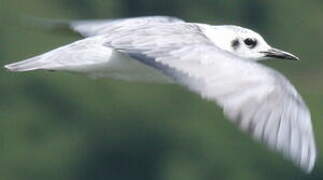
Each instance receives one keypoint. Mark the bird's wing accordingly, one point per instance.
(258, 99)
(77, 56)
(87, 28)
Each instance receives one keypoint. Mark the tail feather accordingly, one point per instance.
(50, 25)
(83, 28)
(88, 28)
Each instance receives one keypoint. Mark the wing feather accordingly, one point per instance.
(260, 100)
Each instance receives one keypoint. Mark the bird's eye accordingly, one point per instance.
(250, 42)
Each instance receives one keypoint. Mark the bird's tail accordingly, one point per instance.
(49, 25)
(83, 28)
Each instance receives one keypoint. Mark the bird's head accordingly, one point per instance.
(246, 43)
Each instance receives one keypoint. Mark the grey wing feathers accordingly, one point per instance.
(26, 65)
(258, 99)
(86, 52)
(98, 27)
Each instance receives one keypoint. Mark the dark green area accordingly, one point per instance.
(68, 127)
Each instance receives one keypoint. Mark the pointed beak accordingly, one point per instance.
(277, 53)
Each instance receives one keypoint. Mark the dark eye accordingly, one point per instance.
(250, 42)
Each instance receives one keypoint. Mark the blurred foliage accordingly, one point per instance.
(64, 126)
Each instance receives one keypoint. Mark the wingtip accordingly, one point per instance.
(8, 68)
(311, 164)
(14, 67)
(309, 168)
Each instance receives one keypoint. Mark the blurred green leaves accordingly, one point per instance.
(65, 126)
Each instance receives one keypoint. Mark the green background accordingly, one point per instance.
(67, 127)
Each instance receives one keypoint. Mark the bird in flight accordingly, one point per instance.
(217, 62)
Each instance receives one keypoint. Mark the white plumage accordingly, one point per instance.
(217, 62)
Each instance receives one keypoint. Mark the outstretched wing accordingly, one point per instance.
(258, 99)
(87, 28)
(79, 56)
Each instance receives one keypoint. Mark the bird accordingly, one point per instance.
(218, 62)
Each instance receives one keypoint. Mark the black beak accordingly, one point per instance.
(277, 53)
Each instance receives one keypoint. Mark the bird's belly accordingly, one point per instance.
(122, 67)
